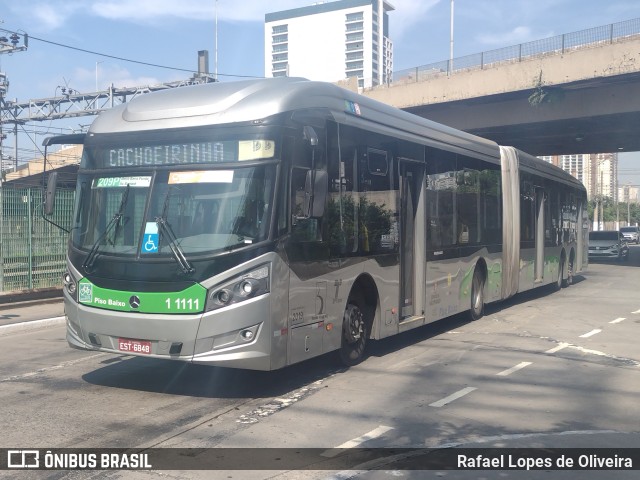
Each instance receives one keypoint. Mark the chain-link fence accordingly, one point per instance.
(32, 250)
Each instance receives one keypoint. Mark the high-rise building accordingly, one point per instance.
(604, 175)
(628, 194)
(331, 41)
(598, 172)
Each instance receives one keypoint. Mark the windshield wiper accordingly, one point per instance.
(114, 222)
(165, 229)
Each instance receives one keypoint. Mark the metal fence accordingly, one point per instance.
(32, 251)
(591, 37)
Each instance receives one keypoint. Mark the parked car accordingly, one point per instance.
(608, 244)
(631, 234)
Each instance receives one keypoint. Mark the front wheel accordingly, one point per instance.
(477, 295)
(354, 335)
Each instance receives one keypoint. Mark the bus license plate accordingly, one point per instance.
(134, 346)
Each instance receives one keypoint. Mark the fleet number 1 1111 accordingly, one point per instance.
(183, 304)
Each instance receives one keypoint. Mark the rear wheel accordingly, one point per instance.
(477, 295)
(569, 280)
(560, 281)
(354, 335)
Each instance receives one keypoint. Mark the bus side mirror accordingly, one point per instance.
(316, 188)
(50, 193)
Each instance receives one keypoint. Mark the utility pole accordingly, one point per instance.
(10, 42)
(451, 42)
(602, 195)
(215, 59)
(75, 104)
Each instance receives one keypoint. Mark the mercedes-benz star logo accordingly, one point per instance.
(134, 301)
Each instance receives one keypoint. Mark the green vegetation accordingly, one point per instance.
(617, 211)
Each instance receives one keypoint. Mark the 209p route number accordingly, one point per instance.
(183, 304)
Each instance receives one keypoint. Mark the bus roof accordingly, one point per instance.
(249, 100)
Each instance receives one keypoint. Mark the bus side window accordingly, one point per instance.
(377, 202)
(303, 229)
(468, 201)
(441, 199)
(527, 215)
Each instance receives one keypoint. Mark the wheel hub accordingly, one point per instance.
(354, 324)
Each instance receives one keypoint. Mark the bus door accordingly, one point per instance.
(412, 239)
(539, 238)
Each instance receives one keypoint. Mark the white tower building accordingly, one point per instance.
(331, 41)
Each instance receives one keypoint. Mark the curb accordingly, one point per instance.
(33, 325)
(30, 297)
(29, 303)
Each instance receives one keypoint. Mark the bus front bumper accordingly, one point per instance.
(236, 336)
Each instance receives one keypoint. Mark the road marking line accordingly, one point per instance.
(452, 397)
(557, 348)
(591, 333)
(637, 311)
(618, 320)
(627, 361)
(375, 433)
(379, 463)
(51, 368)
(509, 371)
(31, 325)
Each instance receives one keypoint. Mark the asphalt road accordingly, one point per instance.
(544, 369)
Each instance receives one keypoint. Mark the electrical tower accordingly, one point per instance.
(10, 42)
(71, 103)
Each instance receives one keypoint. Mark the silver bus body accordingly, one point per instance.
(374, 222)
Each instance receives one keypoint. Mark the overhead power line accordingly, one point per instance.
(115, 57)
(190, 70)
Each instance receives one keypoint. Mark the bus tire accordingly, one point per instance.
(354, 335)
(569, 280)
(560, 282)
(477, 295)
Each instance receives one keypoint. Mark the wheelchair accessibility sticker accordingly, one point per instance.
(151, 238)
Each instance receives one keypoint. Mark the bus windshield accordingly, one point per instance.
(194, 211)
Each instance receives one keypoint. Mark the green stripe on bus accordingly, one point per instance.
(190, 300)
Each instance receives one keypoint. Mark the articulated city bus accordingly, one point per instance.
(256, 224)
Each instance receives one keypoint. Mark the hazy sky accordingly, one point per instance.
(169, 33)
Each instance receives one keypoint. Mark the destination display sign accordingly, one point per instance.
(117, 182)
(180, 154)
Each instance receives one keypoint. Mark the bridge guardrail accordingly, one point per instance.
(559, 44)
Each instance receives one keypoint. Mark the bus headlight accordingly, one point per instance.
(248, 285)
(70, 284)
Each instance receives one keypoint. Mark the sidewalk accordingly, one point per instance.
(42, 295)
(30, 310)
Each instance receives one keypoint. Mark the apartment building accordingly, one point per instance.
(331, 41)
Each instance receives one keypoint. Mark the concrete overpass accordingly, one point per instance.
(584, 99)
